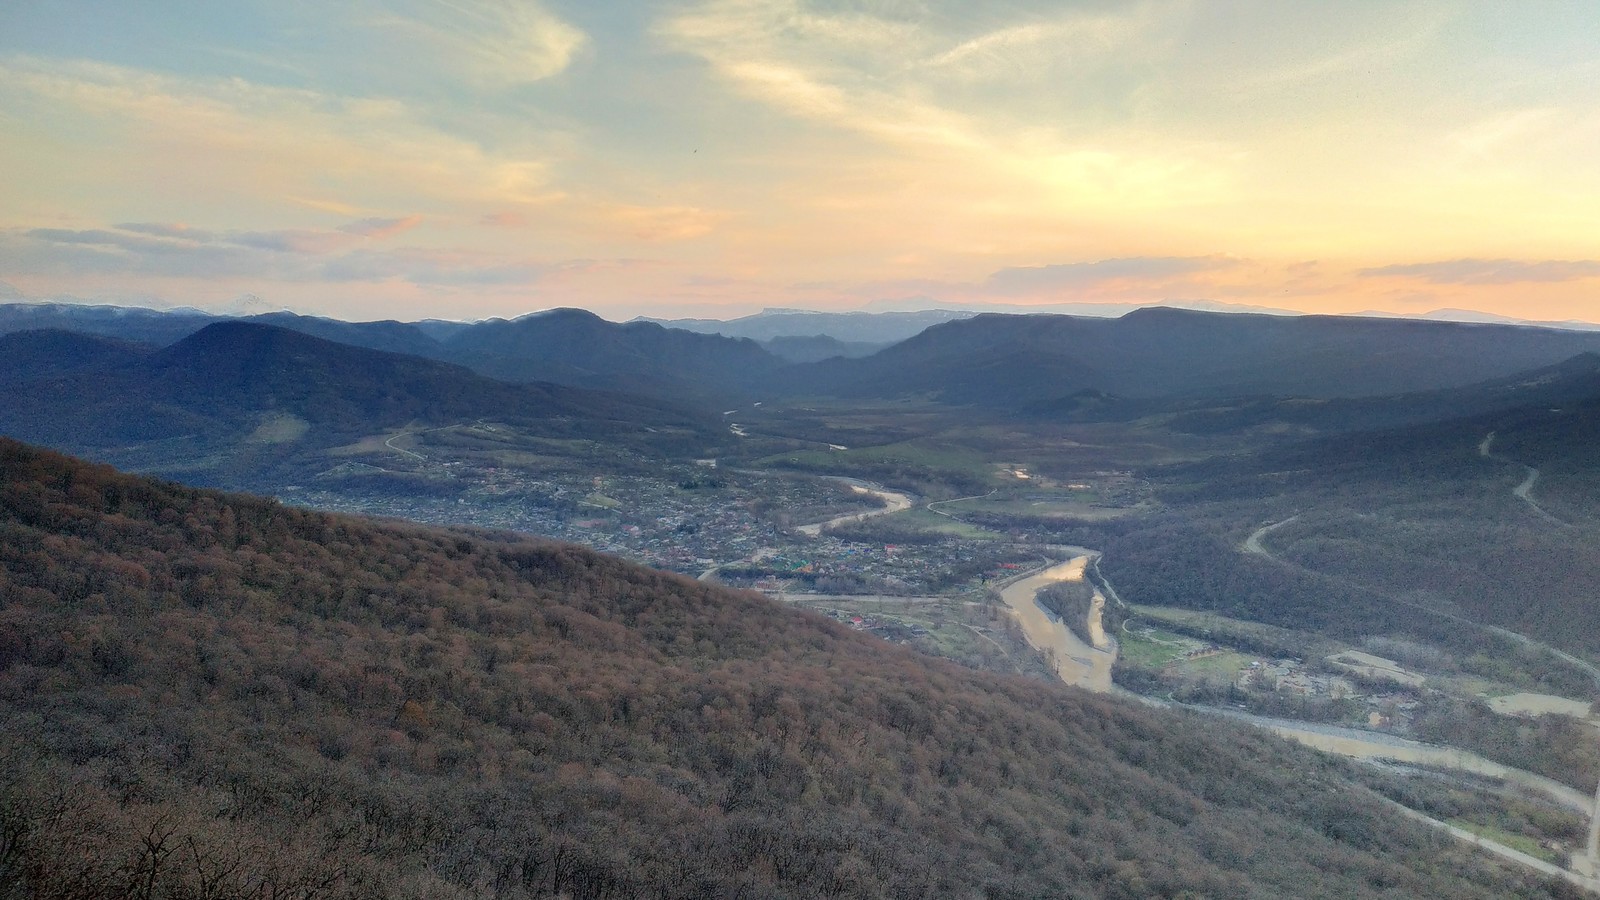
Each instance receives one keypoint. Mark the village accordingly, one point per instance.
(742, 526)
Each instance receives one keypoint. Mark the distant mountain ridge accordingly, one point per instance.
(214, 388)
(1161, 352)
(49, 352)
(1035, 365)
(574, 346)
(857, 327)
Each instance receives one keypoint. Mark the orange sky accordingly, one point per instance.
(466, 158)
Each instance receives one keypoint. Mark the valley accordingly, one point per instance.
(1345, 588)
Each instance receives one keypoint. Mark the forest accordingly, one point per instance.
(213, 695)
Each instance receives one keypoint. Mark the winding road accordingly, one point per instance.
(1523, 491)
(1254, 546)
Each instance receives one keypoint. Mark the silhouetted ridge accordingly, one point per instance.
(1189, 355)
(50, 352)
(218, 385)
(573, 346)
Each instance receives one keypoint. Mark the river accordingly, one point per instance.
(1076, 662)
(893, 502)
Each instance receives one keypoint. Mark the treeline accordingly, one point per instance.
(205, 695)
(1182, 563)
(1555, 746)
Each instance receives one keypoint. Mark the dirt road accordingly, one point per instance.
(1252, 544)
(1523, 491)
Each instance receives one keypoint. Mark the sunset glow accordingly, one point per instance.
(469, 158)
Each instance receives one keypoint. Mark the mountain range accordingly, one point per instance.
(242, 387)
(1039, 364)
(1012, 362)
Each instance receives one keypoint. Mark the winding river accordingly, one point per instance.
(1075, 661)
(893, 502)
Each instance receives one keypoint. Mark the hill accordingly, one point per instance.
(1444, 531)
(163, 327)
(149, 326)
(205, 694)
(1570, 381)
(1019, 362)
(816, 347)
(576, 347)
(25, 355)
(864, 327)
(389, 336)
(237, 387)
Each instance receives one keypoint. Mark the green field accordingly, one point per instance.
(1146, 650)
(925, 520)
(1228, 663)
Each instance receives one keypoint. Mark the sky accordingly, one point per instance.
(470, 158)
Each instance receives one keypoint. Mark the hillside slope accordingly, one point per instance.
(1012, 362)
(236, 400)
(204, 694)
(576, 347)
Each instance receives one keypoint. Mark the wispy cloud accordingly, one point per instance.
(495, 43)
(432, 267)
(382, 228)
(875, 75)
(175, 250)
(1491, 271)
(1071, 38)
(235, 137)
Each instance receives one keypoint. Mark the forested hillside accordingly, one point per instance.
(205, 695)
(246, 404)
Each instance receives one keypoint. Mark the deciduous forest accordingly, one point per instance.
(211, 695)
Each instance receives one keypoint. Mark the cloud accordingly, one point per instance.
(166, 230)
(432, 267)
(910, 84)
(179, 250)
(676, 223)
(1037, 45)
(1491, 271)
(495, 43)
(381, 228)
(503, 219)
(1033, 279)
(228, 138)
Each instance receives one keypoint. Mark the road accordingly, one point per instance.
(1358, 745)
(1370, 745)
(1523, 491)
(939, 512)
(1377, 747)
(1501, 850)
(1253, 545)
(390, 444)
(893, 502)
(392, 438)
